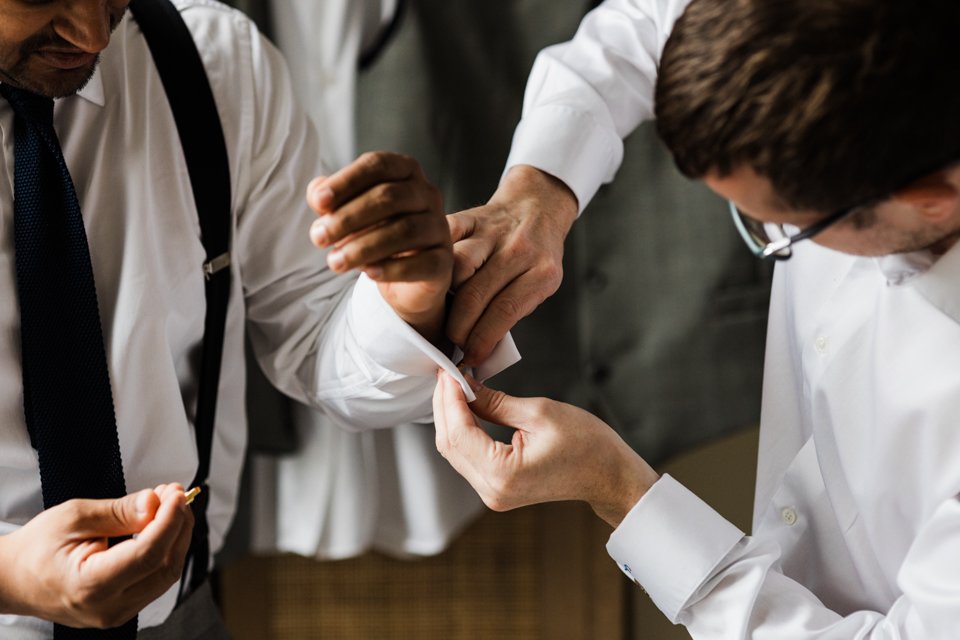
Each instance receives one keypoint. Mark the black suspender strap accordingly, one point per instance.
(201, 136)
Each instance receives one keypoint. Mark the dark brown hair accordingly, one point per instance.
(836, 102)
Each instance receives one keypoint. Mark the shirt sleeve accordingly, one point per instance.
(722, 585)
(584, 96)
(320, 337)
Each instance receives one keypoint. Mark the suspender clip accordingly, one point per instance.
(212, 266)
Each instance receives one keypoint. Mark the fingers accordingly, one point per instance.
(399, 235)
(367, 171)
(113, 518)
(154, 549)
(496, 406)
(459, 438)
(375, 187)
(381, 215)
(421, 266)
(152, 586)
(381, 202)
(507, 260)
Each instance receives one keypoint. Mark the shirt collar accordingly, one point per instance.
(93, 91)
(898, 268)
(936, 279)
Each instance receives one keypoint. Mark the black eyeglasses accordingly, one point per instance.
(770, 241)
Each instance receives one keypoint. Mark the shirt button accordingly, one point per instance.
(820, 344)
(789, 516)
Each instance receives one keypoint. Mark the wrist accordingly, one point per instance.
(429, 323)
(9, 602)
(627, 482)
(549, 192)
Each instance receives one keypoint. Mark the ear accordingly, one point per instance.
(933, 197)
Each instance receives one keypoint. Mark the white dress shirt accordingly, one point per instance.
(318, 336)
(857, 522)
(857, 517)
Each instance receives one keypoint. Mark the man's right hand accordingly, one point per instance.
(59, 567)
(508, 258)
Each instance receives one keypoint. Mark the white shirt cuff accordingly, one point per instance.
(394, 345)
(670, 543)
(569, 145)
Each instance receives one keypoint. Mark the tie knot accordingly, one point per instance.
(29, 105)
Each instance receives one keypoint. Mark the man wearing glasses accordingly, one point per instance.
(836, 122)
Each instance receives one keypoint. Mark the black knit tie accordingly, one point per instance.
(66, 385)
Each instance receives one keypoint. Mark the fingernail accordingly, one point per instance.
(335, 260)
(374, 273)
(318, 233)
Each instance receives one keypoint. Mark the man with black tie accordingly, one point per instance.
(107, 409)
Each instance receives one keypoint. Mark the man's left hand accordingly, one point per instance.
(380, 215)
(558, 452)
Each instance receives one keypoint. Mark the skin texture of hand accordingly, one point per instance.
(58, 566)
(558, 452)
(380, 215)
(508, 258)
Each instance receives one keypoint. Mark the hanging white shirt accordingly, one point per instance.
(387, 489)
(325, 339)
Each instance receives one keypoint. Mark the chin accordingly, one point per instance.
(59, 84)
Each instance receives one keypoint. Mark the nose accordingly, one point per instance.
(86, 24)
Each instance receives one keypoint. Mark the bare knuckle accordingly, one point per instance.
(496, 503)
(406, 228)
(116, 507)
(383, 196)
(539, 408)
(501, 490)
(372, 160)
(473, 297)
(552, 276)
(496, 400)
(521, 247)
(73, 510)
(508, 307)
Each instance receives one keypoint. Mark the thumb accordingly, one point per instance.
(496, 406)
(117, 516)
